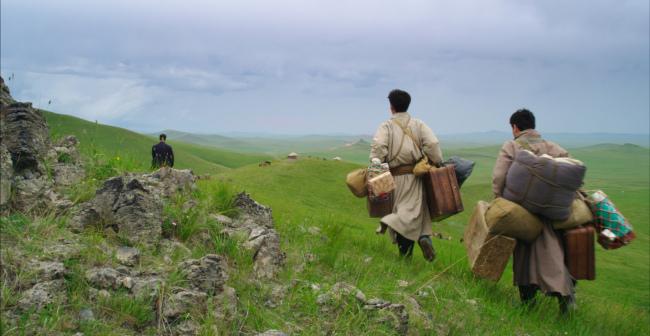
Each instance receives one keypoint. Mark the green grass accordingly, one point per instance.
(312, 193)
(132, 151)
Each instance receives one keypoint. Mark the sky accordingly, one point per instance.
(326, 66)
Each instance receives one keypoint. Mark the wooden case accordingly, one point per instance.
(488, 254)
(442, 192)
(579, 253)
(380, 207)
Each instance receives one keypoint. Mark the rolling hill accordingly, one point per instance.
(134, 149)
(328, 238)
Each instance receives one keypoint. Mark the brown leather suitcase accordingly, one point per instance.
(579, 252)
(443, 193)
(378, 208)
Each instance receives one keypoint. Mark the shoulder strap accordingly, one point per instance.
(408, 133)
(399, 149)
(524, 144)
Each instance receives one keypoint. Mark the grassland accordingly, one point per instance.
(310, 193)
(134, 149)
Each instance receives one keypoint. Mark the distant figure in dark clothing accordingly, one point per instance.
(162, 154)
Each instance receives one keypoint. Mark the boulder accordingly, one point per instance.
(42, 294)
(46, 270)
(126, 205)
(256, 222)
(207, 274)
(186, 328)
(184, 302)
(128, 256)
(104, 277)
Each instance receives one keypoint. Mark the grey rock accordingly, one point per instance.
(226, 309)
(272, 332)
(263, 240)
(26, 136)
(124, 203)
(269, 259)
(86, 315)
(104, 278)
(225, 220)
(396, 316)
(42, 294)
(128, 256)
(47, 270)
(186, 328)
(6, 177)
(167, 181)
(146, 287)
(263, 215)
(183, 302)
(68, 174)
(5, 94)
(64, 250)
(207, 274)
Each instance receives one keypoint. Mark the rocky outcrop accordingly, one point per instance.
(124, 204)
(255, 225)
(394, 314)
(132, 204)
(28, 163)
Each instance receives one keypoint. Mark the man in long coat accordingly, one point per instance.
(162, 154)
(410, 220)
(538, 265)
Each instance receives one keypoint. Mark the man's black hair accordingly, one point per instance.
(523, 119)
(399, 100)
(163, 137)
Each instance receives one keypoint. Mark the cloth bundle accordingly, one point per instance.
(544, 185)
(463, 168)
(613, 229)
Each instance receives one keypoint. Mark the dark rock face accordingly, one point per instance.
(5, 95)
(26, 136)
(27, 183)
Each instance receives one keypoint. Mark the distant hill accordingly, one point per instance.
(569, 140)
(135, 148)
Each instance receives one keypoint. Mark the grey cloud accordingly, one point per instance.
(304, 66)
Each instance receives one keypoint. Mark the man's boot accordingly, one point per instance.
(426, 245)
(528, 294)
(405, 246)
(568, 305)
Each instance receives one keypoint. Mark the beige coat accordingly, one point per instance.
(410, 215)
(540, 263)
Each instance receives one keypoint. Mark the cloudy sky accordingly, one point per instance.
(325, 66)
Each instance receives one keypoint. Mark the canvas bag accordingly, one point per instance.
(512, 220)
(580, 215)
(356, 182)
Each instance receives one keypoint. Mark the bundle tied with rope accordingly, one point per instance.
(544, 185)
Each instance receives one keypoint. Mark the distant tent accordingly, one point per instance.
(292, 156)
(338, 158)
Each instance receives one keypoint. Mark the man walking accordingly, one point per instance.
(538, 265)
(162, 154)
(410, 220)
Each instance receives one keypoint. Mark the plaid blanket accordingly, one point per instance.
(613, 229)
